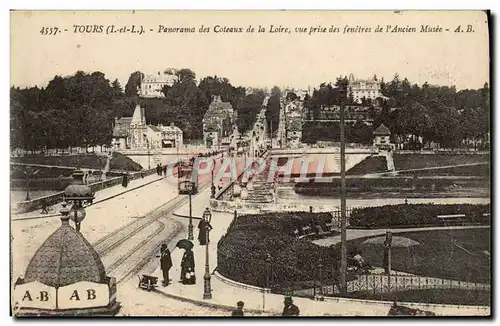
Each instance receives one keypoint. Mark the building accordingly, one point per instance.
(363, 88)
(65, 277)
(152, 85)
(218, 122)
(382, 137)
(134, 133)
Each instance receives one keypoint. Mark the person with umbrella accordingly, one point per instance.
(187, 263)
(202, 234)
(165, 263)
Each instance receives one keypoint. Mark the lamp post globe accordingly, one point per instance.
(78, 194)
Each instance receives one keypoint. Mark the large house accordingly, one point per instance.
(152, 85)
(134, 133)
(217, 122)
(363, 88)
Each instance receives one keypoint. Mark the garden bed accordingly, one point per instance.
(415, 215)
(387, 184)
(259, 250)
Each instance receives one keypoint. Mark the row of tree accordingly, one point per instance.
(418, 114)
(79, 110)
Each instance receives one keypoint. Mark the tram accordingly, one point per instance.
(186, 184)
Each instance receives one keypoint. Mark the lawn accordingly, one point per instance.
(450, 254)
(91, 161)
(481, 170)
(418, 161)
(372, 164)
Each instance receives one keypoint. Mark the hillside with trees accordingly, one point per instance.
(419, 115)
(79, 110)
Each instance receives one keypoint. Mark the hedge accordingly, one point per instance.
(408, 215)
(259, 250)
(398, 184)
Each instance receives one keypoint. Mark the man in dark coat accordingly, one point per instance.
(202, 234)
(187, 268)
(290, 309)
(238, 312)
(165, 263)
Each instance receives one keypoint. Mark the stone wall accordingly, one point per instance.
(31, 205)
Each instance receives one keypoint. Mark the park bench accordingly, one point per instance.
(453, 219)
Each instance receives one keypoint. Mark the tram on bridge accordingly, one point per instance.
(187, 181)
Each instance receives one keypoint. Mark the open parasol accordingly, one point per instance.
(185, 244)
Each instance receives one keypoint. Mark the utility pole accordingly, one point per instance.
(343, 222)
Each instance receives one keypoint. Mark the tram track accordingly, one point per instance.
(124, 265)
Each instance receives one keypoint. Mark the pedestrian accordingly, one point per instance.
(290, 309)
(164, 170)
(165, 263)
(124, 180)
(187, 268)
(202, 234)
(238, 312)
(221, 184)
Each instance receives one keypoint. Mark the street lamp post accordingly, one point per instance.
(207, 288)
(28, 198)
(213, 186)
(343, 222)
(190, 226)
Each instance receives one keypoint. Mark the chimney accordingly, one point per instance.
(172, 124)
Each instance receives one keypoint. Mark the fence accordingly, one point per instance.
(322, 280)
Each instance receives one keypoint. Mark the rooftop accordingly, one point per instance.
(66, 257)
(382, 130)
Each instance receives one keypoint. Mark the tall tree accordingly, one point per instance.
(133, 83)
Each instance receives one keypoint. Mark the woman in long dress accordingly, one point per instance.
(187, 268)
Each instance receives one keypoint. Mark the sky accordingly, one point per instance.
(254, 59)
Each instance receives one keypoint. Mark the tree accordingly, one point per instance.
(248, 108)
(186, 74)
(134, 83)
(117, 88)
(291, 96)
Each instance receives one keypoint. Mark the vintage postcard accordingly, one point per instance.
(250, 163)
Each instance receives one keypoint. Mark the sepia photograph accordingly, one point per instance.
(250, 163)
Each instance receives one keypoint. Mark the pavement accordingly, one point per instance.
(225, 293)
(100, 196)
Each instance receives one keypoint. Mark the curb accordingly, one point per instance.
(208, 304)
(185, 216)
(96, 202)
(240, 285)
